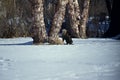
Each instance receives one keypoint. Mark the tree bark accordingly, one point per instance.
(38, 31)
(74, 13)
(57, 22)
(84, 18)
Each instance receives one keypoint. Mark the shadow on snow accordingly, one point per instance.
(10, 44)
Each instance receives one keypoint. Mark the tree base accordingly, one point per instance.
(55, 41)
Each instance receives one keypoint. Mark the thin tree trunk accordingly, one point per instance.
(38, 25)
(109, 6)
(57, 22)
(84, 18)
(74, 13)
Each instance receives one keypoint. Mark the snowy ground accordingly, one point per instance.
(90, 59)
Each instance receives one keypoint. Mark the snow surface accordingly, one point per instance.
(87, 59)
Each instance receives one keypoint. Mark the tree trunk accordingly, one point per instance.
(38, 26)
(84, 18)
(74, 13)
(57, 23)
(114, 28)
(109, 6)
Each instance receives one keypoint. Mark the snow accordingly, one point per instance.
(87, 59)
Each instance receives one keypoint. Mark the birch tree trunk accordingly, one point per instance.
(38, 26)
(57, 23)
(74, 13)
(84, 18)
